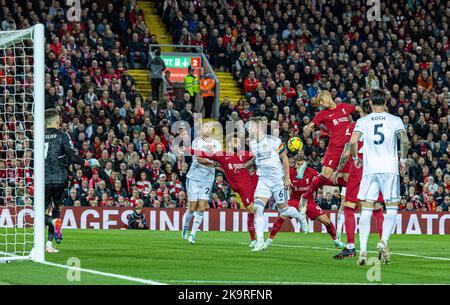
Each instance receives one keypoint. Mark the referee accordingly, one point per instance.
(59, 153)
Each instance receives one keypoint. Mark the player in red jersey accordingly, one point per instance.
(350, 201)
(242, 182)
(335, 118)
(301, 177)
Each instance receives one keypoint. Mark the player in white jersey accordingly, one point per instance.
(200, 179)
(272, 168)
(380, 131)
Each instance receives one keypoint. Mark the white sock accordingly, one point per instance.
(187, 218)
(259, 223)
(290, 212)
(340, 222)
(198, 218)
(390, 219)
(350, 246)
(49, 244)
(364, 228)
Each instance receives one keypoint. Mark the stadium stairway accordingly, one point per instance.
(228, 87)
(155, 24)
(141, 76)
(156, 27)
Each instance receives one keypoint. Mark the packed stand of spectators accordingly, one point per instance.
(283, 52)
(87, 80)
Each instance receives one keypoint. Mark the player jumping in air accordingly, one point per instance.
(379, 131)
(200, 179)
(242, 181)
(59, 153)
(350, 198)
(335, 118)
(272, 168)
(301, 177)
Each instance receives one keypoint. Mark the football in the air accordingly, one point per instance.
(295, 144)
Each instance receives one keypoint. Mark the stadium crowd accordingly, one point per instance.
(281, 53)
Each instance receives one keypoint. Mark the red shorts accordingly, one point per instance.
(312, 209)
(332, 157)
(352, 187)
(246, 194)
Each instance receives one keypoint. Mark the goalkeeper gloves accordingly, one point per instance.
(93, 163)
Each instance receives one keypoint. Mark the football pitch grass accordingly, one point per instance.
(152, 257)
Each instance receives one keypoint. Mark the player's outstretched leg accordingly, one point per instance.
(259, 224)
(293, 209)
(325, 220)
(275, 228)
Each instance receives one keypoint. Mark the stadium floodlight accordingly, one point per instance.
(22, 137)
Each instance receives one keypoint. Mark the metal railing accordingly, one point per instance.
(205, 65)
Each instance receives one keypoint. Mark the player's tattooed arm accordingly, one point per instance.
(248, 165)
(344, 157)
(308, 129)
(356, 135)
(404, 146)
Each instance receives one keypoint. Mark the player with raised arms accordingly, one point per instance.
(379, 131)
(200, 179)
(59, 153)
(335, 118)
(301, 177)
(272, 168)
(242, 182)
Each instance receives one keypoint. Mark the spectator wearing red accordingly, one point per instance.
(288, 91)
(250, 83)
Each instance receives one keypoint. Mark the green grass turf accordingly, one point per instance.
(225, 256)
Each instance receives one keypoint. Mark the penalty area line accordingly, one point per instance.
(105, 274)
(333, 249)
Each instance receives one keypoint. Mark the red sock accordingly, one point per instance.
(315, 185)
(276, 227)
(379, 218)
(251, 225)
(341, 182)
(349, 214)
(331, 230)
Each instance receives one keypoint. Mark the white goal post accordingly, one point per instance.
(22, 138)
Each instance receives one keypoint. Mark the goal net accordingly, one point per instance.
(22, 131)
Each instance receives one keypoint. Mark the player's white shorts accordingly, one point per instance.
(266, 190)
(198, 190)
(371, 185)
